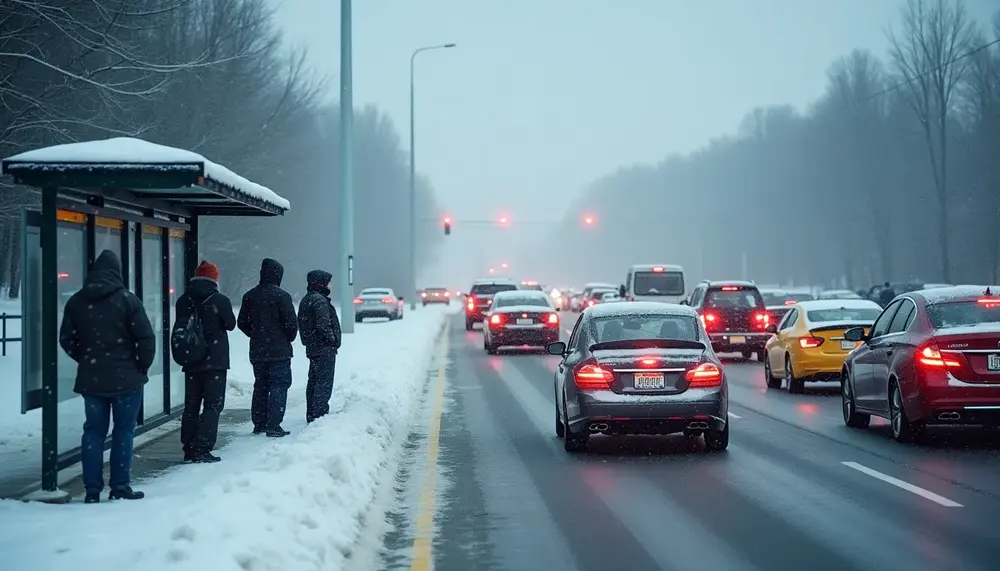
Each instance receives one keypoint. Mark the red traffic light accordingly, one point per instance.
(447, 226)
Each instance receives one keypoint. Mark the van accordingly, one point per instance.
(655, 282)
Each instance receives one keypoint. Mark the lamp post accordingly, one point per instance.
(413, 182)
(346, 172)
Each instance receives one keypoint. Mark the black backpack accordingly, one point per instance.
(187, 340)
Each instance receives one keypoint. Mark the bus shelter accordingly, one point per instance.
(142, 201)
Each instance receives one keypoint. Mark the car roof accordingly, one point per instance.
(521, 293)
(376, 289)
(649, 267)
(954, 293)
(737, 283)
(640, 307)
(493, 281)
(430, 288)
(592, 285)
(814, 304)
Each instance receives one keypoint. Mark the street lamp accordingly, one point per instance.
(346, 285)
(413, 182)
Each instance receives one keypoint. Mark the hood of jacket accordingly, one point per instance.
(271, 272)
(104, 277)
(199, 288)
(319, 281)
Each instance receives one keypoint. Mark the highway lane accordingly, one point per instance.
(795, 490)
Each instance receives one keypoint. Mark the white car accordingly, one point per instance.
(378, 302)
(610, 297)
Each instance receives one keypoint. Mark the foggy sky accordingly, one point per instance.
(542, 96)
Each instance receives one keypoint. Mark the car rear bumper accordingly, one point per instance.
(646, 414)
(730, 343)
(974, 403)
(532, 337)
(428, 301)
(372, 312)
(818, 366)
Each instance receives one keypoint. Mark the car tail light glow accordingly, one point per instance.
(590, 303)
(810, 342)
(496, 319)
(704, 375)
(446, 294)
(423, 294)
(729, 288)
(647, 362)
(657, 269)
(388, 300)
(931, 358)
(762, 319)
(553, 319)
(590, 376)
(990, 301)
(358, 301)
(789, 302)
(708, 319)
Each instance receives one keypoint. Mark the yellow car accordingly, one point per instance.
(808, 344)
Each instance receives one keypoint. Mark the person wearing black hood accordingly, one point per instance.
(267, 317)
(319, 329)
(886, 296)
(107, 332)
(205, 381)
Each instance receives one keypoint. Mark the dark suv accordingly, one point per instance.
(734, 315)
(480, 297)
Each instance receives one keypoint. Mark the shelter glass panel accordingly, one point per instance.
(177, 275)
(71, 256)
(152, 300)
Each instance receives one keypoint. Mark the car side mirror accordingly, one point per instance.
(772, 328)
(557, 348)
(855, 334)
(684, 302)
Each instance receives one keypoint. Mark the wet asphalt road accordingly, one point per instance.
(796, 489)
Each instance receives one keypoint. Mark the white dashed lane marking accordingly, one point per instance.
(904, 485)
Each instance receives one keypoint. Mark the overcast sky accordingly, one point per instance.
(542, 96)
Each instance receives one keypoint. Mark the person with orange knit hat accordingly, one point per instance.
(205, 380)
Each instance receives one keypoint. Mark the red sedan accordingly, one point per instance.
(931, 358)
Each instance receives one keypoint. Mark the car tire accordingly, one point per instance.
(573, 442)
(772, 383)
(795, 385)
(852, 417)
(901, 429)
(717, 440)
(490, 349)
(762, 355)
(746, 353)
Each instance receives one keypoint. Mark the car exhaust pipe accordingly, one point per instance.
(598, 427)
(949, 416)
(697, 425)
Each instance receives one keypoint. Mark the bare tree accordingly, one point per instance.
(937, 34)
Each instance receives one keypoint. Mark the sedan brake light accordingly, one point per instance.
(930, 357)
(496, 319)
(704, 375)
(423, 294)
(553, 319)
(388, 300)
(470, 304)
(763, 319)
(590, 376)
(358, 301)
(708, 319)
(810, 342)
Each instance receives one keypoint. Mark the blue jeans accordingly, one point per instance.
(270, 393)
(99, 412)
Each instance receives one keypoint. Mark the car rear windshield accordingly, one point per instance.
(658, 283)
(650, 326)
(599, 293)
(491, 289)
(738, 298)
(962, 313)
(532, 287)
(771, 298)
(512, 300)
(843, 314)
(375, 292)
(436, 289)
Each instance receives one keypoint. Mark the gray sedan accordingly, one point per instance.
(639, 368)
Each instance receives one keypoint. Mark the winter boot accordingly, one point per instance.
(206, 458)
(126, 494)
(277, 432)
(92, 499)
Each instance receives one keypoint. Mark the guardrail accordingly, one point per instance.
(4, 340)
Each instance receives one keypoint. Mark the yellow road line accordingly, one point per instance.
(423, 532)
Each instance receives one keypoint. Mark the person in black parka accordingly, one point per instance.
(319, 329)
(886, 296)
(107, 332)
(267, 317)
(205, 381)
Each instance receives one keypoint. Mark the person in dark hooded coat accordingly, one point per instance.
(319, 329)
(886, 296)
(267, 317)
(107, 332)
(205, 381)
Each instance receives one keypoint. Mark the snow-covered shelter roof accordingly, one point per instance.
(139, 172)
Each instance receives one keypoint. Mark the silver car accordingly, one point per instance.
(639, 368)
(378, 302)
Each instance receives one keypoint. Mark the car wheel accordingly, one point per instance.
(772, 383)
(717, 440)
(560, 427)
(573, 442)
(795, 385)
(468, 325)
(746, 353)
(491, 349)
(852, 417)
(900, 427)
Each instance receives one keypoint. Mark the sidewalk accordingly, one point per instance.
(158, 456)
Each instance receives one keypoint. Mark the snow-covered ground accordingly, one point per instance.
(272, 504)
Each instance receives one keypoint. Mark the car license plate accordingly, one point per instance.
(648, 381)
(993, 362)
(848, 345)
(738, 339)
(525, 321)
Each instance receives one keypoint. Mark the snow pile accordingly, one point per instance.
(131, 153)
(286, 504)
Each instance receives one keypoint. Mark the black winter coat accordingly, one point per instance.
(886, 296)
(319, 326)
(267, 316)
(217, 320)
(107, 332)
